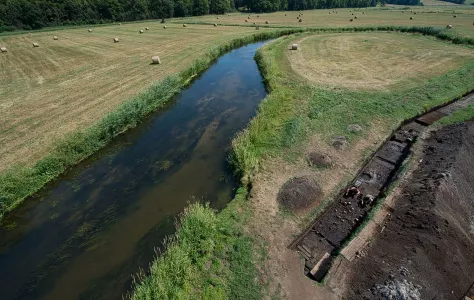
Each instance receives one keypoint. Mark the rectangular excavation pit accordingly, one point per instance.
(392, 151)
(336, 226)
(376, 173)
(430, 118)
(321, 268)
(314, 245)
(407, 133)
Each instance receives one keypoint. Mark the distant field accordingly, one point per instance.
(374, 60)
(71, 83)
(428, 16)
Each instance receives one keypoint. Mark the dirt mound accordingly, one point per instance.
(299, 193)
(319, 160)
(339, 142)
(429, 238)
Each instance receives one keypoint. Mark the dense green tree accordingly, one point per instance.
(160, 9)
(200, 7)
(219, 6)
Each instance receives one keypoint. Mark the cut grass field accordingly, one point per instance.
(376, 61)
(297, 117)
(70, 84)
(399, 15)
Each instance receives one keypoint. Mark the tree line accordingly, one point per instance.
(35, 14)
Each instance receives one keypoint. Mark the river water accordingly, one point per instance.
(84, 235)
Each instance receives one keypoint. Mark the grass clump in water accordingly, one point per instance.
(209, 257)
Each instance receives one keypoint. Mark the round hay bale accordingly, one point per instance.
(217, 18)
(449, 26)
(184, 25)
(116, 40)
(147, 28)
(3, 49)
(90, 30)
(162, 21)
(351, 20)
(36, 45)
(141, 31)
(55, 38)
(254, 23)
(454, 16)
(246, 20)
(266, 22)
(165, 27)
(301, 20)
(258, 16)
(228, 15)
(411, 18)
(355, 17)
(299, 193)
(363, 12)
(320, 160)
(294, 46)
(248, 17)
(354, 128)
(285, 15)
(329, 12)
(352, 13)
(298, 17)
(339, 142)
(155, 60)
(215, 24)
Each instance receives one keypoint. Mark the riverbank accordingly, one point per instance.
(298, 118)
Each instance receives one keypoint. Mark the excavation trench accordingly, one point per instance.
(321, 242)
(84, 235)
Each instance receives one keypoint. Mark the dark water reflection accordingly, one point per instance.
(84, 235)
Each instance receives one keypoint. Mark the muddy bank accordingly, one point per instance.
(426, 247)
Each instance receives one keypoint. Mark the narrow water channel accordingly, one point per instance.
(84, 235)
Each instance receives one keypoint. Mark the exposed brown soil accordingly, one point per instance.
(319, 160)
(426, 246)
(299, 193)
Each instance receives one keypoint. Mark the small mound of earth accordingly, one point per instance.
(354, 128)
(299, 193)
(319, 160)
(394, 289)
(339, 142)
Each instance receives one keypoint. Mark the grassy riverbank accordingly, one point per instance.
(295, 117)
(210, 257)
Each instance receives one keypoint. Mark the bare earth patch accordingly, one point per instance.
(284, 268)
(373, 60)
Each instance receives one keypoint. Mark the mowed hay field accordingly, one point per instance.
(427, 16)
(71, 83)
(374, 60)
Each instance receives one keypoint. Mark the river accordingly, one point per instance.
(84, 235)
